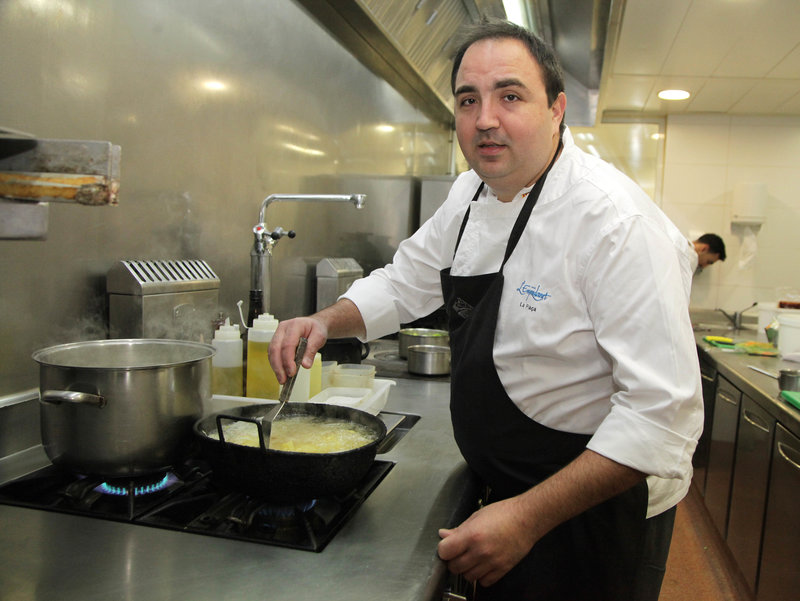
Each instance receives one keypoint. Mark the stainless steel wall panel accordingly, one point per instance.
(216, 105)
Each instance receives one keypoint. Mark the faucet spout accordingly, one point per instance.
(266, 239)
(736, 318)
(356, 199)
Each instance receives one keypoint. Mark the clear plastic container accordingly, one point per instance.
(353, 375)
(328, 367)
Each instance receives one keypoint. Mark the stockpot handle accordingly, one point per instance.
(57, 397)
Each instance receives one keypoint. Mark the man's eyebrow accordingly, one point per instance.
(511, 82)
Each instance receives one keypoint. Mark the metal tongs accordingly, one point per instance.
(286, 391)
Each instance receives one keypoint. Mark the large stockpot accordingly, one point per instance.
(121, 408)
(285, 476)
(411, 336)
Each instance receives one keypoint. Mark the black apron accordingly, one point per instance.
(589, 558)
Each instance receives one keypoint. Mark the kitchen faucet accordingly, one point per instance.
(266, 239)
(736, 318)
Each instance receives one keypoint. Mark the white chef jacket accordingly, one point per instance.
(593, 333)
(694, 258)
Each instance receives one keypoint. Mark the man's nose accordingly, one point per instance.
(487, 117)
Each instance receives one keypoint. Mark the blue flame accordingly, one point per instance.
(145, 489)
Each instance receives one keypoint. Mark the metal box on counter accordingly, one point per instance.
(162, 299)
(334, 277)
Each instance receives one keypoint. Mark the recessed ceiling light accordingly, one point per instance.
(673, 94)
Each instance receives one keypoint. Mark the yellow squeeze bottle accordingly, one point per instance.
(261, 380)
(315, 383)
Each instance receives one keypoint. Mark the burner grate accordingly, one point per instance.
(191, 502)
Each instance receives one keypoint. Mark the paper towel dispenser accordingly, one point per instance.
(749, 205)
(334, 277)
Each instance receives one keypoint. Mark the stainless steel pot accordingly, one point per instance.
(411, 336)
(428, 360)
(121, 408)
(789, 379)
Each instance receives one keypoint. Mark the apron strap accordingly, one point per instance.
(527, 208)
(466, 218)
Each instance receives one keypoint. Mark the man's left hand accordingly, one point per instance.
(487, 544)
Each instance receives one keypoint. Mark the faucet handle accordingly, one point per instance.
(280, 233)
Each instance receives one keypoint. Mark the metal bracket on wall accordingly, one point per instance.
(34, 172)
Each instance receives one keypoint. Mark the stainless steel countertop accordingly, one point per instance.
(735, 366)
(386, 551)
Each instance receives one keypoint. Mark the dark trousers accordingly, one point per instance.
(610, 564)
(655, 549)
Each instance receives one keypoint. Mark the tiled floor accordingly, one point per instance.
(699, 567)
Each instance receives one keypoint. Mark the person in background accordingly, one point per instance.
(575, 386)
(708, 249)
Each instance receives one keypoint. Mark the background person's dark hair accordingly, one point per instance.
(715, 244)
(542, 53)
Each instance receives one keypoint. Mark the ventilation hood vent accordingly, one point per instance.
(407, 43)
(577, 31)
(410, 44)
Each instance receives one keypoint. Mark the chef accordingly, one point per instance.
(575, 390)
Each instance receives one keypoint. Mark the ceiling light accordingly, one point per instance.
(673, 94)
(516, 13)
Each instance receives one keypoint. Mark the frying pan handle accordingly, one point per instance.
(56, 397)
(237, 418)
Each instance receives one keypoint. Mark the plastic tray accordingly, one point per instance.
(370, 400)
(366, 399)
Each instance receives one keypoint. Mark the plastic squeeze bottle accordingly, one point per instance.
(226, 364)
(315, 377)
(308, 382)
(261, 380)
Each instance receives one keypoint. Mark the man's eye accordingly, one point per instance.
(511, 97)
(467, 101)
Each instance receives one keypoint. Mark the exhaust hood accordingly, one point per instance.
(410, 44)
(407, 43)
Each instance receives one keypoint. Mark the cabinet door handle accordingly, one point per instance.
(755, 420)
(706, 377)
(721, 395)
(786, 452)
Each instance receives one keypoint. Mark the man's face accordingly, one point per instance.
(505, 127)
(704, 255)
(706, 258)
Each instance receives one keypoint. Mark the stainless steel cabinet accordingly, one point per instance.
(779, 578)
(708, 373)
(749, 488)
(721, 451)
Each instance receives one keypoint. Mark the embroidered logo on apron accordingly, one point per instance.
(462, 308)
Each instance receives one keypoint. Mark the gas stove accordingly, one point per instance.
(187, 499)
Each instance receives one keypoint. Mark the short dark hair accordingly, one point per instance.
(715, 244)
(541, 51)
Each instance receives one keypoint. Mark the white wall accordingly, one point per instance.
(705, 158)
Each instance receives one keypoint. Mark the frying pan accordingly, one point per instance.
(287, 477)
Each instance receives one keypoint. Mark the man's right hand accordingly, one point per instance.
(341, 320)
(284, 343)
